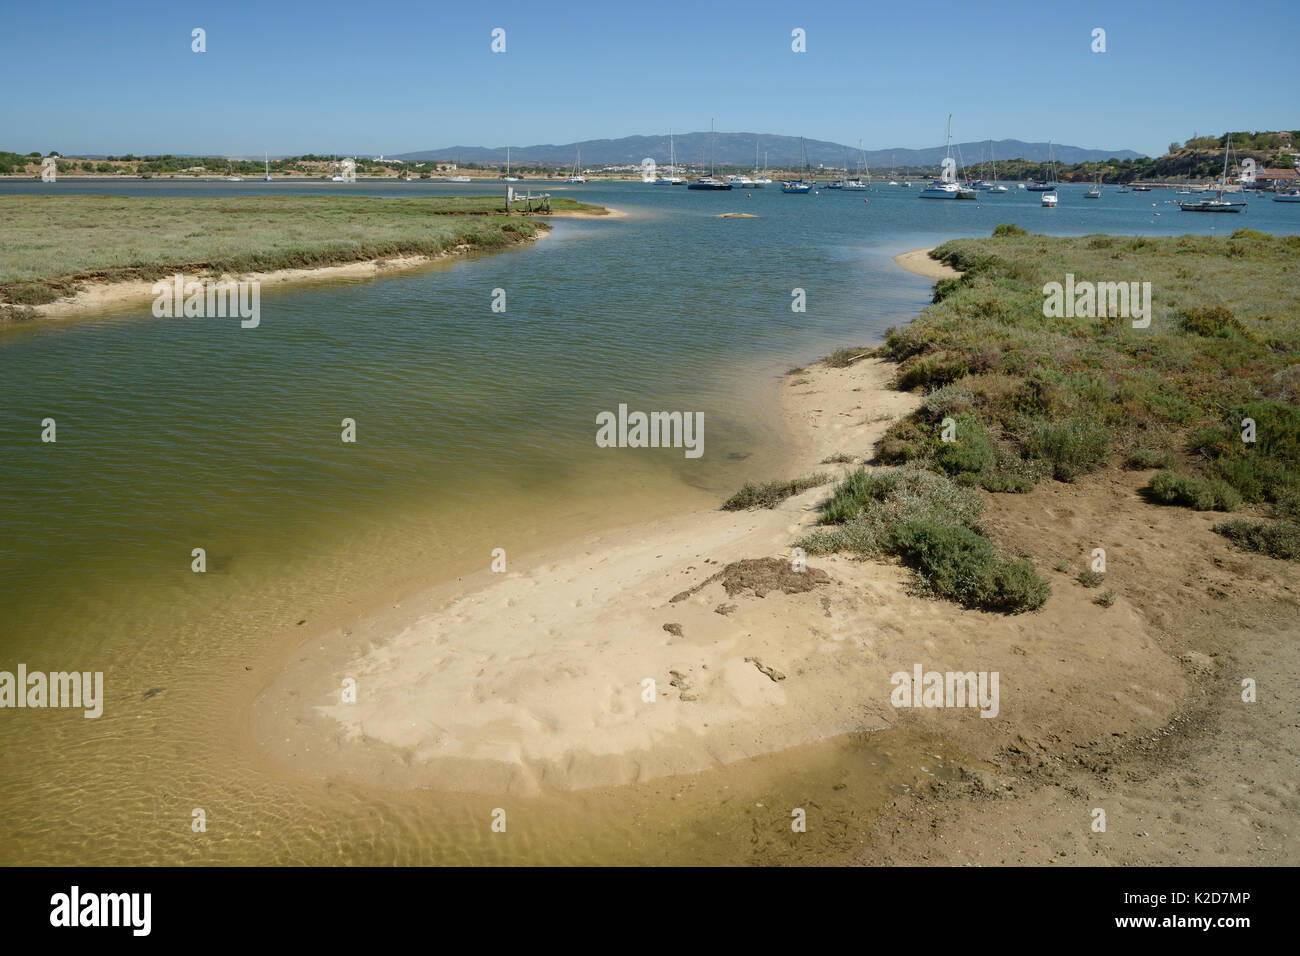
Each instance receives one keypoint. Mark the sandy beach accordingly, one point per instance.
(538, 679)
(534, 678)
(919, 262)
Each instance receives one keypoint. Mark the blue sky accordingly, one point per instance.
(392, 77)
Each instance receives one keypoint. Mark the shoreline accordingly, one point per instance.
(96, 298)
(99, 298)
(532, 683)
(918, 262)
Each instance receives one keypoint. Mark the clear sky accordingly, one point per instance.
(403, 75)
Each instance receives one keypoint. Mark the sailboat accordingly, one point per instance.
(1049, 184)
(507, 178)
(755, 180)
(267, 160)
(672, 179)
(764, 180)
(576, 176)
(995, 188)
(1217, 204)
(945, 187)
(1095, 191)
(856, 182)
(839, 183)
(709, 181)
(802, 185)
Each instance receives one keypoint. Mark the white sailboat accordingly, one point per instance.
(710, 182)
(755, 181)
(855, 183)
(672, 179)
(507, 178)
(267, 160)
(945, 187)
(803, 185)
(576, 176)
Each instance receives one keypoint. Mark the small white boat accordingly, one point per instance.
(507, 178)
(945, 187)
(997, 190)
(576, 176)
(458, 179)
(1049, 200)
(1292, 196)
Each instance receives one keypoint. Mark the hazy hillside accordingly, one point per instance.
(737, 149)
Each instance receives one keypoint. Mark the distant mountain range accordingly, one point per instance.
(737, 149)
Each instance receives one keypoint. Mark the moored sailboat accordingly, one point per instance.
(1217, 204)
(710, 182)
(1049, 184)
(945, 187)
(802, 185)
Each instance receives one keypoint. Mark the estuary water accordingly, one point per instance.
(475, 430)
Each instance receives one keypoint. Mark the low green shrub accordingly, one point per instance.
(1204, 494)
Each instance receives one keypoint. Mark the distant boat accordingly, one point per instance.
(945, 187)
(1292, 196)
(1095, 191)
(802, 185)
(710, 182)
(507, 178)
(267, 160)
(1142, 189)
(856, 183)
(757, 181)
(1049, 184)
(1124, 189)
(459, 179)
(1218, 204)
(672, 179)
(1049, 200)
(995, 188)
(576, 176)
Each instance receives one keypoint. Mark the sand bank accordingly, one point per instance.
(102, 297)
(919, 262)
(537, 678)
(581, 214)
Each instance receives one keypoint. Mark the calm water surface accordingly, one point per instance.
(475, 431)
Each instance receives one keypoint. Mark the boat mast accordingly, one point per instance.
(1223, 183)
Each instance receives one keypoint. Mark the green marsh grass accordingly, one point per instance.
(52, 243)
